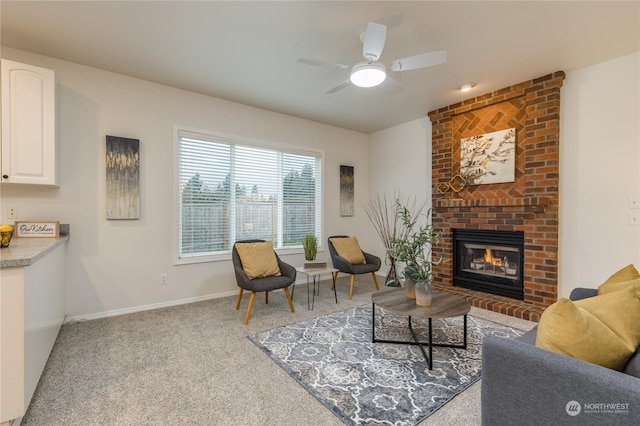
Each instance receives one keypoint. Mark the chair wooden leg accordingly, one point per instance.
(375, 280)
(266, 297)
(286, 291)
(335, 277)
(353, 278)
(239, 299)
(251, 299)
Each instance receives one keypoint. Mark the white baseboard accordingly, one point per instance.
(141, 308)
(134, 309)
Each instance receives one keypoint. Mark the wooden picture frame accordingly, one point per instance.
(37, 229)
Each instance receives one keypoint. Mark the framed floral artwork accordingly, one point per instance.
(488, 158)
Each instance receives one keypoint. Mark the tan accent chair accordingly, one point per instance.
(265, 284)
(372, 265)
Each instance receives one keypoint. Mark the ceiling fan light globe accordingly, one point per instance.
(368, 75)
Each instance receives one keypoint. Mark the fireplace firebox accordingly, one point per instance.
(489, 261)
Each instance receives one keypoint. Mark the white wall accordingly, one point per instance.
(115, 265)
(400, 164)
(599, 171)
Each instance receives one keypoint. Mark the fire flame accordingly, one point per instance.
(488, 257)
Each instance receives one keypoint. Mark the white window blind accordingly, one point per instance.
(230, 191)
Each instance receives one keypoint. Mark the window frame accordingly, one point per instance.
(219, 137)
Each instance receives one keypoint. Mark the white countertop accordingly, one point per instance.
(26, 251)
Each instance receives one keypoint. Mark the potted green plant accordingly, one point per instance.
(310, 245)
(414, 250)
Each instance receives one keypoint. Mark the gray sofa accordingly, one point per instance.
(523, 384)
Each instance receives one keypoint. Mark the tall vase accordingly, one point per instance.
(423, 294)
(392, 276)
(410, 288)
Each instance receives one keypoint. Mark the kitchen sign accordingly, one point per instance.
(37, 229)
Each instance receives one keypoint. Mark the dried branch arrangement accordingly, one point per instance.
(385, 217)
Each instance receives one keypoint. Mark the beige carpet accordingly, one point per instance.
(192, 364)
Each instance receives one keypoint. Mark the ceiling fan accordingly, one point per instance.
(371, 72)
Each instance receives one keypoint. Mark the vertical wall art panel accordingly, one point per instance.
(346, 191)
(123, 178)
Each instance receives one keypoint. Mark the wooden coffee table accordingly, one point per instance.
(443, 305)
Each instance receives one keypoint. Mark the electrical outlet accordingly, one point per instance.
(634, 202)
(634, 218)
(164, 279)
(12, 213)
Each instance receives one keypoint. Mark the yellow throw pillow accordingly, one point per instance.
(602, 330)
(349, 249)
(258, 259)
(593, 303)
(619, 311)
(627, 273)
(625, 277)
(609, 287)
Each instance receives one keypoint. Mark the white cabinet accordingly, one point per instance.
(28, 124)
(32, 310)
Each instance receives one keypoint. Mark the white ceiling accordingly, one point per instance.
(247, 51)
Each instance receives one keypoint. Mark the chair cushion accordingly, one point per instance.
(364, 268)
(602, 330)
(269, 283)
(349, 249)
(258, 259)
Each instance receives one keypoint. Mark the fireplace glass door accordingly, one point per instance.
(489, 261)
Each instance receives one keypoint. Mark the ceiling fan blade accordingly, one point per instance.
(419, 61)
(323, 64)
(373, 41)
(339, 86)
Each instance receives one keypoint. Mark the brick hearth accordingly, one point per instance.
(530, 204)
(491, 302)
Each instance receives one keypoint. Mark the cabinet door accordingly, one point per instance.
(28, 124)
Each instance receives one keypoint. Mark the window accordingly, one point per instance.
(229, 189)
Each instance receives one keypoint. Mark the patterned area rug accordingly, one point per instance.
(333, 358)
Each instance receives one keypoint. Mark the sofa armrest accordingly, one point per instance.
(582, 293)
(521, 381)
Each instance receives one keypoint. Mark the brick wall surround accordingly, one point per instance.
(529, 204)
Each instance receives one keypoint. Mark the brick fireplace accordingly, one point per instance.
(529, 204)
